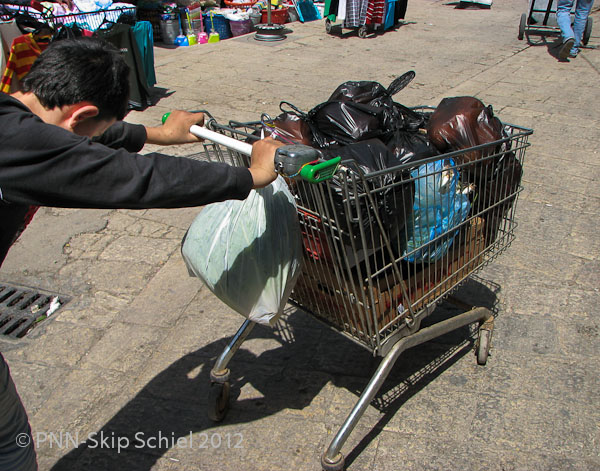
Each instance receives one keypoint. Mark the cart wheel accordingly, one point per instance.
(522, 25)
(483, 346)
(328, 26)
(362, 31)
(587, 32)
(218, 401)
(338, 465)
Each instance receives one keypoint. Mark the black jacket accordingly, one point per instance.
(44, 165)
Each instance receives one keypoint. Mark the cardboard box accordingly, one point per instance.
(326, 291)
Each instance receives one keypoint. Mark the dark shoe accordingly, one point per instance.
(565, 49)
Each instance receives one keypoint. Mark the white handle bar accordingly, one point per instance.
(230, 142)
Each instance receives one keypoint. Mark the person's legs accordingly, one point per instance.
(582, 11)
(563, 18)
(17, 451)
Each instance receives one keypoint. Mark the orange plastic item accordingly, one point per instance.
(238, 4)
(278, 16)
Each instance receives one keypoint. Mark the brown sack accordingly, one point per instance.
(462, 122)
(292, 129)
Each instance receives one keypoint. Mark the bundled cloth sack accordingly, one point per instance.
(248, 253)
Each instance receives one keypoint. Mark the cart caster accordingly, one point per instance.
(218, 401)
(328, 26)
(362, 32)
(483, 346)
(337, 465)
(587, 32)
(522, 26)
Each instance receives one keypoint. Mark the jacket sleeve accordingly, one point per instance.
(61, 169)
(122, 135)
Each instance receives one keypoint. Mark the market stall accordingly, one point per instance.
(27, 27)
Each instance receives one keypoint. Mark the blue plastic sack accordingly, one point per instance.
(438, 207)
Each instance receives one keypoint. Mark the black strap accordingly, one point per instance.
(295, 110)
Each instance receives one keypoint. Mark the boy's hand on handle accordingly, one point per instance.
(176, 129)
(262, 166)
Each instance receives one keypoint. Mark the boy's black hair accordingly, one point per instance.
(70, 71)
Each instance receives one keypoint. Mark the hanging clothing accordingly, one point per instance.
(390, 13)
(142, 32)
(3, 55)
(356, 13)
(363, 11)
(121, 36)
(352, 13)
(375, 12)
(8, 32)
(401, 6)
(341, 10)
(331, 8)
(87, 6)
(23, 53)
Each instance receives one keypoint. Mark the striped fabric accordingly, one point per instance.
(23, 52)
(376, 12)
(353, 8)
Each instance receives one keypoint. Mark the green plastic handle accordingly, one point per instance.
(315, 173)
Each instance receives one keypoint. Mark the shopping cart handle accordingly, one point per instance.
(290, 161)
(204, 133)
(218, 138)
(305, 161)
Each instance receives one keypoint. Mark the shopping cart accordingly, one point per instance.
(363, 274)
(44, 14)
(541, 20)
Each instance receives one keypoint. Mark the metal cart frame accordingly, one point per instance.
(529, 25)
(96, 19)
(356, 277)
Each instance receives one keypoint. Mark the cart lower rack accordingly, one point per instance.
(372, 271)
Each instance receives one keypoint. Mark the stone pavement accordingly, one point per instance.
(131, 352)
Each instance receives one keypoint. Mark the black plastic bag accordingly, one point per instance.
(495, 192)
(340, 122)
(395, 115)
(393, 199)
(410, 146)
(362, 110)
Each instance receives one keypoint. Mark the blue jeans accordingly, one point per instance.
(563, 18)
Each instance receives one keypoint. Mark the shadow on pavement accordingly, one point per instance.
(173, 404)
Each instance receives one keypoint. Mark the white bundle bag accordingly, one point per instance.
(248, 253)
